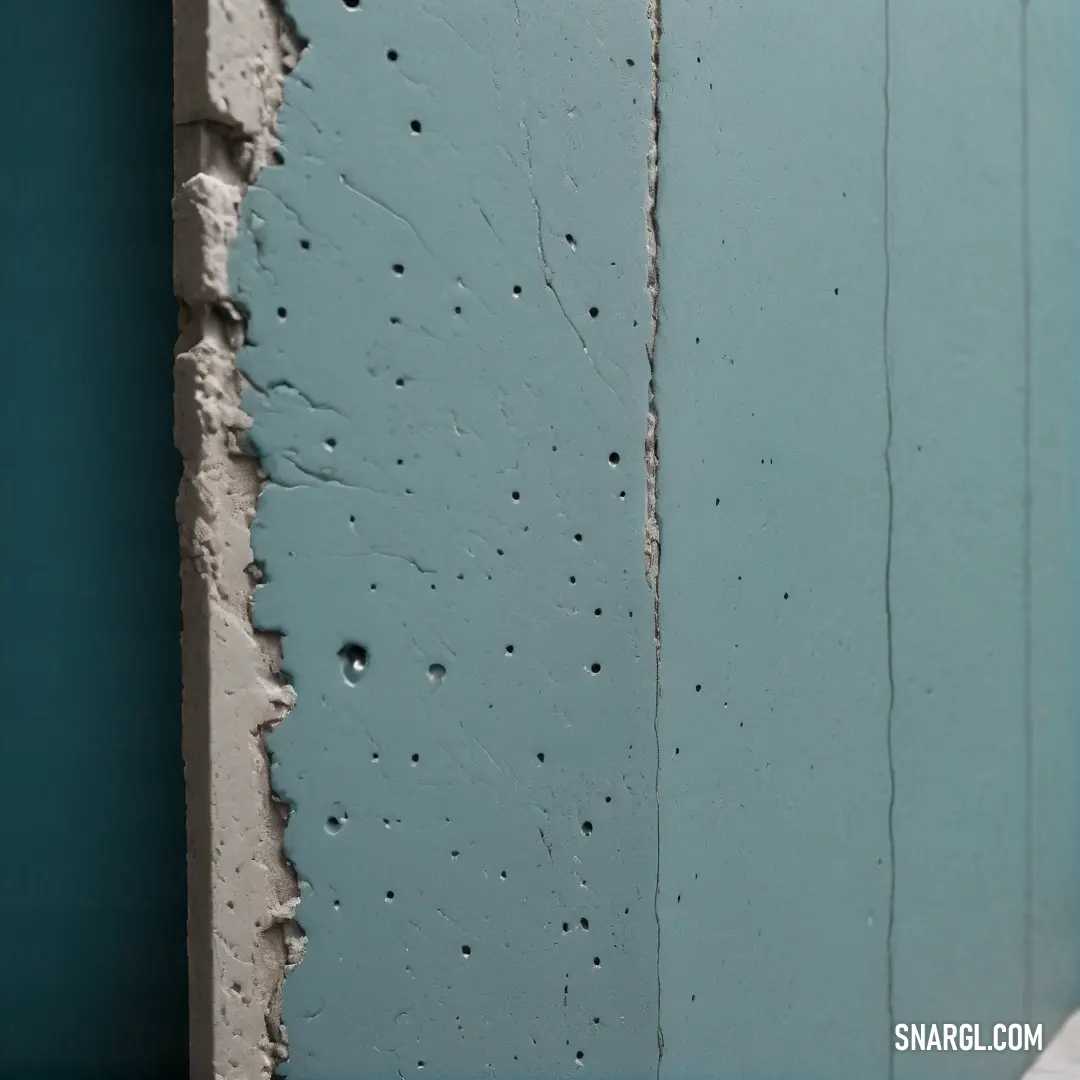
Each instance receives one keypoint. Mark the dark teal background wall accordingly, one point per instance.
(92, 878)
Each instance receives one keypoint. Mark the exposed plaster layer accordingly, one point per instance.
(231, 56)
(229, 60)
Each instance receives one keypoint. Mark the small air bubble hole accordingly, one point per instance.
(354, 659)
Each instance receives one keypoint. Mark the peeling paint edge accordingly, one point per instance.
(230, 62)
(652, 445)
(652, 455)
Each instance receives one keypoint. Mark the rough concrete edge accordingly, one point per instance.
(230, 60)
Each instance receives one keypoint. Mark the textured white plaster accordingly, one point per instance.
(231, 56)
(228, 63)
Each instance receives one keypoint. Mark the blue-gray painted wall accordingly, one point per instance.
(853, 803)
(474, 818)
(867, 396)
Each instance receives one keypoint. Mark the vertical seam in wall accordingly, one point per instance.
(890, 972)
(652, 453)
(1029, 731)
(230, 59)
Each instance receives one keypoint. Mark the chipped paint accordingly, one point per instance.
(231, 56)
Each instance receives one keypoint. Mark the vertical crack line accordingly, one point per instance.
(1029, 730)
(890, 924)
(652, 452)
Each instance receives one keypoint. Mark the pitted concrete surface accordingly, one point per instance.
(444, 285)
